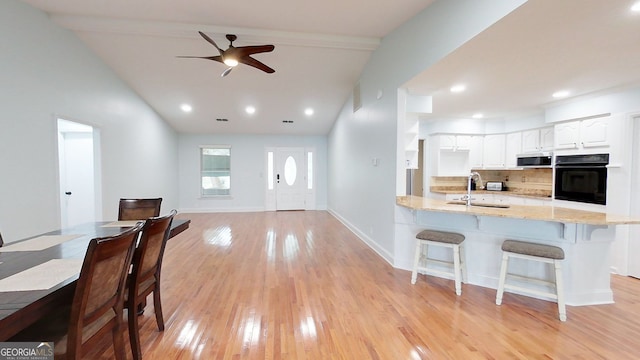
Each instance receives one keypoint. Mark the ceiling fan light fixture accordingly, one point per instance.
(231, 62)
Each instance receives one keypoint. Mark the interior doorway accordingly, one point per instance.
(79, 183)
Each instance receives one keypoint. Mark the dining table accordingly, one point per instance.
(39, 274)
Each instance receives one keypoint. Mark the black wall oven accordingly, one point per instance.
(582, 178)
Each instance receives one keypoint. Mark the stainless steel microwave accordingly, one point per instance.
(535, 160)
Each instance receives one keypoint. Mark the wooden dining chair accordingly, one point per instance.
(145, 275)
(97, 306)
(139, 209)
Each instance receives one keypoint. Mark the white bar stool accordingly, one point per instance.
(535, 252)
(444, 239)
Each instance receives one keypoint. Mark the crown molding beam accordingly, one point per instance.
(190, 31)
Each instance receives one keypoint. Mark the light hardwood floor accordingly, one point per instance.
(300, 285)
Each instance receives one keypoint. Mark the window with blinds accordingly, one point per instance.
(215, 170)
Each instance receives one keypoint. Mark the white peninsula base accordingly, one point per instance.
(586, 268)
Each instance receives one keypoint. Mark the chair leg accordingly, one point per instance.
(134, 332)
(157, 306)
(503, 277)
(456, 269)
(118, 341)
(559, 290)
(416, 262)
(140, 307)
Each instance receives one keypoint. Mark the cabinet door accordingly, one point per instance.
(531, 141)
(567, 135)
(447, 142)
(593, 132)
(476, 151)
(512, 148)
(463, 142)
(494, 147)
(546, 138)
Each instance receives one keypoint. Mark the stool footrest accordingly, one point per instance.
(430, 271)
(530, 291)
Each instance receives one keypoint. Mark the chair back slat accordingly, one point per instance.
(139, 209)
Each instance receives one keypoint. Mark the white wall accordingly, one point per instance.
(363, 195)
(248, 177)
(47, 72)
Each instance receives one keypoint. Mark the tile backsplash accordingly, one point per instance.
(536, 182)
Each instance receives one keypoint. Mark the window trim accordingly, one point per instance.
(200, 159)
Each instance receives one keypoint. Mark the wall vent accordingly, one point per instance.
(222, 119)
(287, 121)
(357, 100)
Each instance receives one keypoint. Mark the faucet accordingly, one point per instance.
(476, 175)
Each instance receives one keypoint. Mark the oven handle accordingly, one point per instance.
(598, 166)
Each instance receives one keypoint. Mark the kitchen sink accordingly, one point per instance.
(480, 204)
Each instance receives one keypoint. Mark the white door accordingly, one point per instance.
(289, 178)
(77, 180)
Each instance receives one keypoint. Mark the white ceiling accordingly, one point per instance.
(511, 70)
(321, 47)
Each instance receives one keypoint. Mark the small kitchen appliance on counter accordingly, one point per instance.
(495, 186)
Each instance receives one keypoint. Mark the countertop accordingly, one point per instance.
(506, 193)
(543, 213)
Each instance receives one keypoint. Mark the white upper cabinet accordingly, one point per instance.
(494, 151)
(513, 147)
(582, 134)
(537, 140)
(450, 155)
(455, 142)
(475, 151)
(546, 138)
(594, 132)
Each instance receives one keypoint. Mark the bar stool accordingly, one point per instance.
(535, 252)
(443, 239)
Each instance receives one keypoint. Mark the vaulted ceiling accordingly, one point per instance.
(321, 47)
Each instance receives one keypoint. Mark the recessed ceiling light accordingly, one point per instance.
(560, 94)
(636, 7)
(308, 111)
(477, 116)
(458, 88)
(186, 108)
(250, 110)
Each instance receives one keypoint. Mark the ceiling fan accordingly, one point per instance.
(236, 55)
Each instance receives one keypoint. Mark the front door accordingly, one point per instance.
(289, 179)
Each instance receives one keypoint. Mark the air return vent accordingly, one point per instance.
(222, 119)
(287, 121)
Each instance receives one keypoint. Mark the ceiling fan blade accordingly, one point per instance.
(250, 50)
(217, 58)
(210, 40)
(226, 72)
(248, 60)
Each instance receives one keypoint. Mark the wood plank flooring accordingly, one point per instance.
(299, 285)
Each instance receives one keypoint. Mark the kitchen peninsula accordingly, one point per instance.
(585, 237)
